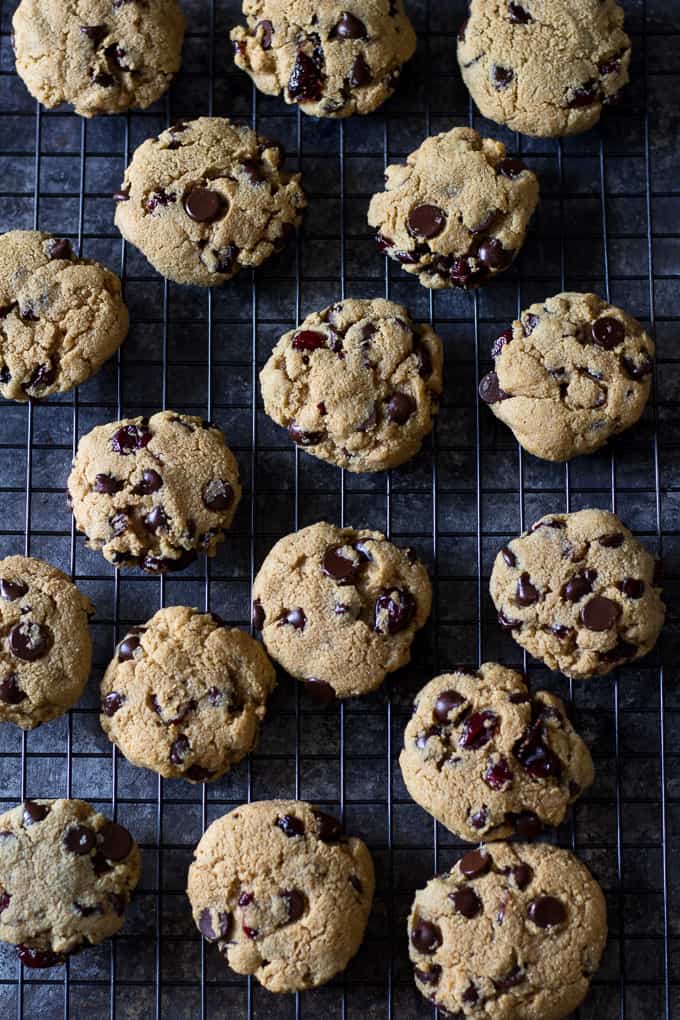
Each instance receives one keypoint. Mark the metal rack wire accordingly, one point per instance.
(609, 221)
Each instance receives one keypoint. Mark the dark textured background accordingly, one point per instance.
(610, 221)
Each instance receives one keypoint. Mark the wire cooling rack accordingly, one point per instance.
(609, 221)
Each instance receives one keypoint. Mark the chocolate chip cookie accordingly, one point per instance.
(101, 56)
(151, 492)
(46, 650)
(284, 894)
(61, 317)
(333, 59)
(357, 384)
(512, 931)
(569, 374)
(206, 198)
(184, 695)
(456, 213)
(488, 759)
(338, 608)
(579, 592)
(544, 67)
(66, 876)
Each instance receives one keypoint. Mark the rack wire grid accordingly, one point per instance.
(609, 221)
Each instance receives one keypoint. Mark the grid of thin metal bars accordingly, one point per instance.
(469, 490)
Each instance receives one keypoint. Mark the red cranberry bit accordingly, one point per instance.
(445, 703)
(546, 912)
(112, 703)
(400, 407)
(293, 618)
(290, 825)
(319, 690)
(349, 27)
(586, 95)
(203, 205)
(115, 842)
(498, 775)
(393, 611)
(600, 613)
(34, 812)
(632, 587)
(35, 958)
(518, 15)
(475, 864)
(79, 840)
(251, 933)
(478, 730)
(608, 333)
(29, 641)
(526, 594)
(130, 438)
(258, 615)
(328, 827)
(296, 903)
(490, 390)
(10, 591)
(266, 32)
(466, 902)
(426, 937)
(218, 495)
(309, 340)
(180, 749)
(304, 84)
(128, 647)
(426, 221)
(535, 755)
(10, 692)
(501, 77)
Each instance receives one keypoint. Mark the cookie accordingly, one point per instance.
(282, 892)
(357, 384)
(66, 876)
(544, 67)
(101, 56)
(185, 696)
(512, 931)
(46, 649)
(579, 592)
(150, 492)
(206, 198)
(456, 213)
(569, 374)
(333, 59)
(338, 608)
(488, 759)
(61, 317)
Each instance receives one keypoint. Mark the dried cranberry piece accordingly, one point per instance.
(304, 84)
(130, 438)
(478, 730)
(498, 774)
(479, 819)
(309, 340)
(35, 958)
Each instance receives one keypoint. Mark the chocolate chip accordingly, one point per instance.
(501, 76)
(156, 519)
(150, 482)
(290, 825)
(600, 614)
(475, 863)
(266, 32)
(508, 556)
(487, 222)
(339, 567)
(203, 205)
(226, 257)
(258, 615)
(608, 333)
(635, 371)
(112, 703)
(303, 438)
(44, 375)
(579, 585)
(198, 774)
(59, 248)
(498, 774)
(218, 495)
(328, 827)
(349, 27)
(356, 883)
(304, 84)
(466, 902)
(180, 749)
(360, 74)
(79, 840)
(107, 484)
(621, 650)
(294, 618)
(129, 438)
(103, 79)
(511, 167)
(492, 254)
(515, 977)
(490, 390)
(10, 591)
(478, 730)
(128, 647)
(586, 95)
(546, 912)
(431, 976)
(115, 842)
(296, 903)
(522, 874)
(400, 407)
(462, 29)
(478, 819)
(551, 523)
(319, 690)
(95, 33)
(526, 594)
(632, 587)
(518, 15)
(205, 924)
(393, 611)
(612, 541)
(527, 824)
(245, 899)
(426, 937)
(534, 754)
(445, 703)
(309, 340)
(426, 221)
(29, 641)
(508, 624)
(10, 692)
(34, 812)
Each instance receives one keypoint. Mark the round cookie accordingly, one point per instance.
(101, 56)
(46, 650)
(61, 317)
(339, 608)
(150, 492)
(456, 213)
(569, 374)
(184, 695)
(513, 931)
(488, 759)
(356, 384)
(332, 59)
(206, 198)
(66, 876)
(283, 893)
(544, 67)
(579, 592)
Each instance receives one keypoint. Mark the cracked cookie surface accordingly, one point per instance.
(332, 59)
(151, 492)
(66, 877)
(488, 759)
(207, 198)
(61, 317)
(512, 932)
(185, 695)
(101, 56)
(284, 894)
(544, 67)
(579, 592)
(338, 608)
(46, 649)
(569, 373)
(456, 213)
(357, 384)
